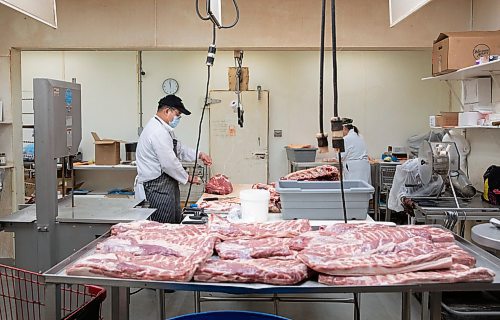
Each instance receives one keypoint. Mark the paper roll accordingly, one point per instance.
(468, 118)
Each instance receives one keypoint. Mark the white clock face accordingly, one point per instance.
(170, 86)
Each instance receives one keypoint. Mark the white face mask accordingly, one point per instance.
(175, 122)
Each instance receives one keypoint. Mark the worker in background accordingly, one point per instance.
(355, 158)
(158, 157)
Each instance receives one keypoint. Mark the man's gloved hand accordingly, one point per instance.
(194, 179)
(205, 158)
(408, 206)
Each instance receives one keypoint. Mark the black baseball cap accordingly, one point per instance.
(346, 121)
(173, 101)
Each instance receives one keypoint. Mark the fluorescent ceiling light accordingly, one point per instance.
(401, 9)
(41, 10)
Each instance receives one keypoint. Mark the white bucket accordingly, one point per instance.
(254, 205)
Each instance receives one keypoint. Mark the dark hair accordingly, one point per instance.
(350, 126)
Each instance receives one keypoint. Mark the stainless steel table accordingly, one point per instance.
(431, 208)
(120, 287)
(487, 235)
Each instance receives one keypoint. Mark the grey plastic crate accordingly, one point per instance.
(322, 200)
(301, 154)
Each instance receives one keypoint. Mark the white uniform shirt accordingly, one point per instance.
(355, 158)
(355, 147)
(155, 153)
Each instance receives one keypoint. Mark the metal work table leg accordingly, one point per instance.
(197, 302)
(435, 305)
(357, 311)
(120, 301)
(160, 297)
(275, 302)
(52, 301)
(425, 306)
(406, 305)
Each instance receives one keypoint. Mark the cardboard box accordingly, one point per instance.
(107, 151)
(439, 120)
(449, 119)
(457, 50)
(243, 79)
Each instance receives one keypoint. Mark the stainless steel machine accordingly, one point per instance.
(443, 159)
(54, 228)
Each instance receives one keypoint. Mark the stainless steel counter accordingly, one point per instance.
(57, 275)
(88, 209)
(428, 208)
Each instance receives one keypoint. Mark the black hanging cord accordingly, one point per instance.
(322, 64)
(334, 64)
(238, 63)
(198, 12)
(237, 16)
(335, 100)
(200, 124)
(336, 114)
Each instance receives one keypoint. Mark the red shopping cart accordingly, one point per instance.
(22, 296)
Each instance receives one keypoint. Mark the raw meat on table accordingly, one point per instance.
(152, 251)
(157, 227)
(364, 259)
(274, 200)
(225, 230)
(278, 248)
(126, 265)
(221, 205)
(457, 273)
(321, 173)
(219, 184)
(278, 272)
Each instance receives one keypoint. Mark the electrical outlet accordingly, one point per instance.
(278, 133)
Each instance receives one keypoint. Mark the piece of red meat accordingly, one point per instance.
(278, 272)
(219, 184)
(320, 173)
(457, 273)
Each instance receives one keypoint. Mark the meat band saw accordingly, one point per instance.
(454, 197)
(53, 229)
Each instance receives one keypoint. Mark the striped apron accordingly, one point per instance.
(163, 194)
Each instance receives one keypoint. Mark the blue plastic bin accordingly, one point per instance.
(229, 315)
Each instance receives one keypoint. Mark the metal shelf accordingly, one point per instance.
(481, 70)
(8, 166)
(5, 122)
(468, 127)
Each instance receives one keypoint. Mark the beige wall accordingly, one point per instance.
(382, 91)
(485, 143)
(486, 15)
(173, 24)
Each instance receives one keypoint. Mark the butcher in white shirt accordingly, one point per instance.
(158, 157)
(355, 158)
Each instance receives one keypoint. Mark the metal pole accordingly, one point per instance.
(275, 303)
(160, 297)
(52, 301)
(357, 310)
(406, 305)
(197, 302)
(425, 306)
(435, 305)
(120, 300)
